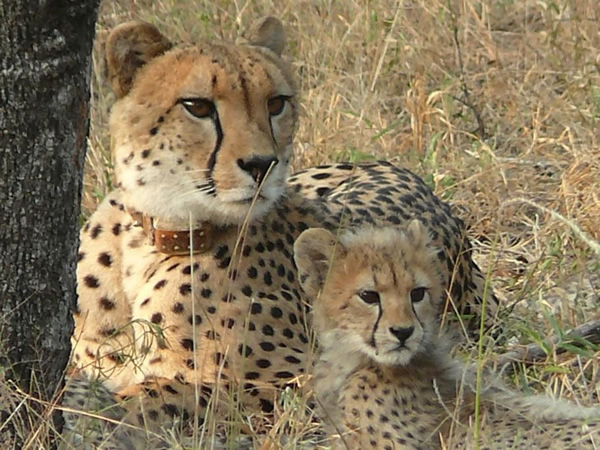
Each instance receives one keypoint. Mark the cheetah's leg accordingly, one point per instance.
(103, 337)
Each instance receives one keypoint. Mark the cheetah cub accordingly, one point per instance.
(385, 378)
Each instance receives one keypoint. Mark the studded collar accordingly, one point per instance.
(172, 241)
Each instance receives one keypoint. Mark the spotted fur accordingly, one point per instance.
(385, 379)
(202, 135)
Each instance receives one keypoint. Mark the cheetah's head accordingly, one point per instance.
(203, 130)
(378, 292)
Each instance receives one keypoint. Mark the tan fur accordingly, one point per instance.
(159, 329)
(148, 322)
(374, 392)
(153, 134)
(394, 199)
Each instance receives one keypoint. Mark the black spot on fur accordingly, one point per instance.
(197, 319)
(228, 323)
(170, 409)
(267, 278)
(263, 363)
(221, 251)
(185, 289)
(156, 318)
(213, 335)
(245, 350)
(107, 304)
(288, 333)
(220, 360)
(96, 231)
(322, 191)
(267, 346)
(116, 229)
(160, 285)
(247, 291)
(224, 263)
(105, 259)
(187, 270)
(173, 267)
(266, 405)
(171, 390)
(91, 281)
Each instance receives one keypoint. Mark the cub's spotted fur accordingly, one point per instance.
(187, 284)
(384, 377)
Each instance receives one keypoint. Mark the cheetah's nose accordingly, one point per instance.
(257, 167)
(402, 333)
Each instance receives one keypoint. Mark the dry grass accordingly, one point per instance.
(495, 104)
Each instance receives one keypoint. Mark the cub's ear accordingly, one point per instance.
(268, 32)
(313, 253)
(418, 234)
(129, 46)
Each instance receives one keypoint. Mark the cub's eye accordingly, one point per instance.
(417, 294)
(199, 107)
(369, 297)
(276, 104)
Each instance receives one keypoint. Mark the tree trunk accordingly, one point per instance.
(45, 54)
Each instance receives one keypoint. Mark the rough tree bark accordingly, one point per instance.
(45, 54)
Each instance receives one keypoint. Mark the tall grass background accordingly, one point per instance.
(496, 104)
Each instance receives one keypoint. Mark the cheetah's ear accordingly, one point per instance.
(268, 32)
(128, 47)
(418, 234)
(313, 253)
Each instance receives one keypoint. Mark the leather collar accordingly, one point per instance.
(176, 242)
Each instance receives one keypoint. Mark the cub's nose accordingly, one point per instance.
(402, 333)
(258, 166)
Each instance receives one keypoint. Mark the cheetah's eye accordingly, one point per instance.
(199, 107)
(417, 294)
(276, 104)
(369, 297)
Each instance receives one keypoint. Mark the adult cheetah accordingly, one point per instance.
(187, 284)
(384, 378)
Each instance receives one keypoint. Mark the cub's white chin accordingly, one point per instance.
(397, 358)
(394, 357)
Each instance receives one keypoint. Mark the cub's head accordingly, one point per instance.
(378, 292)
(201, 129)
